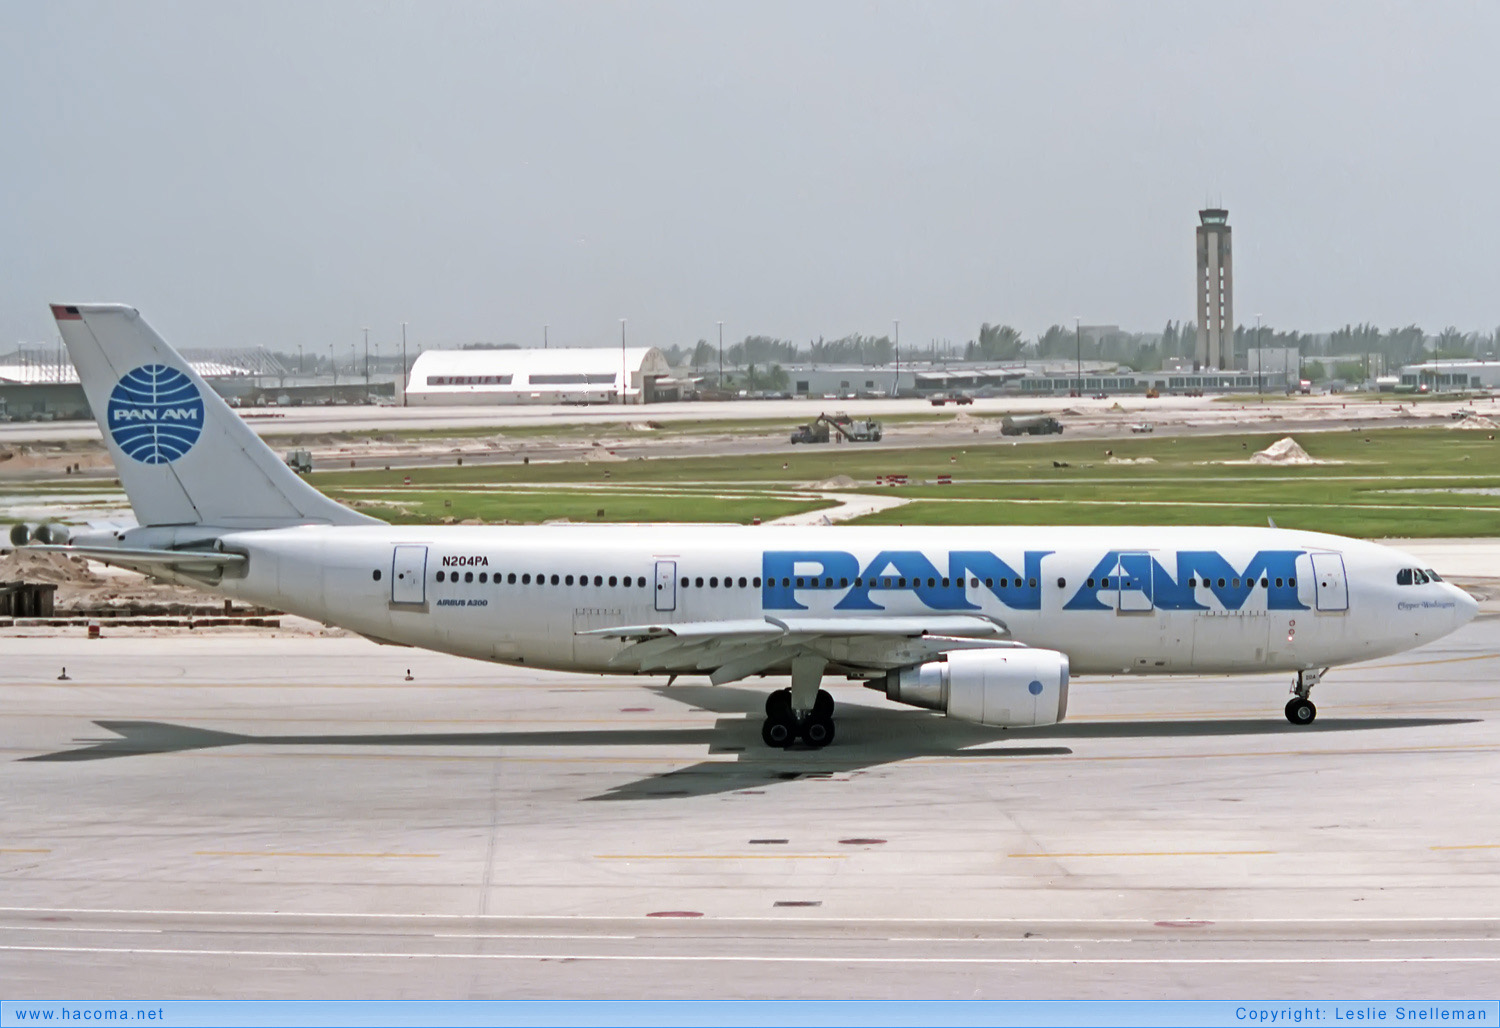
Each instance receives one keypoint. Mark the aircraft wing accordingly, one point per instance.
(734, 649)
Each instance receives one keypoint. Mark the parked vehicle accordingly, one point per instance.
(1030, 424)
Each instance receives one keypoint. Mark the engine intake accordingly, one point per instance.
(1005, 688)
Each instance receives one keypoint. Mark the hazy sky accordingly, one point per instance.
(286, 173)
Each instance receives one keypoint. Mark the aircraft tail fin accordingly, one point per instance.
(184, 457)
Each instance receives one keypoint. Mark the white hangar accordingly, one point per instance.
(580, 375)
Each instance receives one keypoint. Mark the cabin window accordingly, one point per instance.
(377, 574)
(827, 583)
(698, 583)
(1265, 583)
(901, 583)
(1235, 582)
(526, 578)
(1221, 583)
(441, 576)
(799, 583)
(1291, 583)
(755, 581)
(742, 582)
(484, 576)
(1062, 583)
(1104, 583)
(945, 583)
(931, 583)
(1192, 583)
(786, 583)
(843, 582)
(1032, 583)
(989, 583)
(713, 583)
(1091, 583)
(554, 579)
(613, 580)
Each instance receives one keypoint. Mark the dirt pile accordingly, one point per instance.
(28, 566)
(836, 482)
(1283, 451)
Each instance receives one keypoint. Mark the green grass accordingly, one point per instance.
(995, 482)
(532, 506)
(999, 482)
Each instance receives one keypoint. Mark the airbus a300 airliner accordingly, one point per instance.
(986, 624)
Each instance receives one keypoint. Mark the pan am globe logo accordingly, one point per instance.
(155, 414)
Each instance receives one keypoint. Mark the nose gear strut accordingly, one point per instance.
(1300, 709)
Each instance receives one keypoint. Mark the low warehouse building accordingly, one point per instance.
(483, 377)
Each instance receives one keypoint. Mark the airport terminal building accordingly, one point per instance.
(561, 375)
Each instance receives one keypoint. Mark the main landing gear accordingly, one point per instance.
(802, 712)
(1300, 709)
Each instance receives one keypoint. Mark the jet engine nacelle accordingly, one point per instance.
(1000, 687)
(48, 535)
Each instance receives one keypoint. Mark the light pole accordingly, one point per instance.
(403, 364)
(367, 364)
(1260, 356)
(544, 336)
(301, 367)
(333, 364)
(721, 356)
(1078, 338)
(624, 375)
(896, 346)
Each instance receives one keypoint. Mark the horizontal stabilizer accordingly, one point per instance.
(148, 560)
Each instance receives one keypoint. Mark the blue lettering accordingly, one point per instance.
(779, 573)
(1019, 592)
(1196, 569)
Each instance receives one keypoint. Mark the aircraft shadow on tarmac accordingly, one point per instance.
(867, 737)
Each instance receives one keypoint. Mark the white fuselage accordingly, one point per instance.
(1114, 600)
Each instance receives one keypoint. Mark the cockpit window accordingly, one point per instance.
(1403, 577)
(1419, 576)
(1434, 575)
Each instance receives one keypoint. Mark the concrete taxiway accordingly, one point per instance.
(240, 815)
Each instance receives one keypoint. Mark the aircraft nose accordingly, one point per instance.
(1464, 608)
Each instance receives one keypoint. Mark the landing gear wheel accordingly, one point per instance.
(817, 731)
(779, 732)
(779, 703)
(823, 705)
(1300, 711)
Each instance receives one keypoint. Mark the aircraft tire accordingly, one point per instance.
(778, 732)
(823, 705)
(1300, 711)
(779, 703)
(817, 732)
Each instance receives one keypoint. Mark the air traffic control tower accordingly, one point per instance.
(1215, 291)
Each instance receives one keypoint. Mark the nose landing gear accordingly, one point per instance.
(1300, 709)
(804, 711)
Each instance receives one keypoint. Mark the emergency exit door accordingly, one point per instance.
(666, 585)
(409, 576)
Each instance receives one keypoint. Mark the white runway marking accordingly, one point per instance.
(754, 918)
(747, 958)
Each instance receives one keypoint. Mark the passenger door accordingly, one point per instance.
(666, 585)
(1133, 584)
(409, 576)
(1329, 581)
